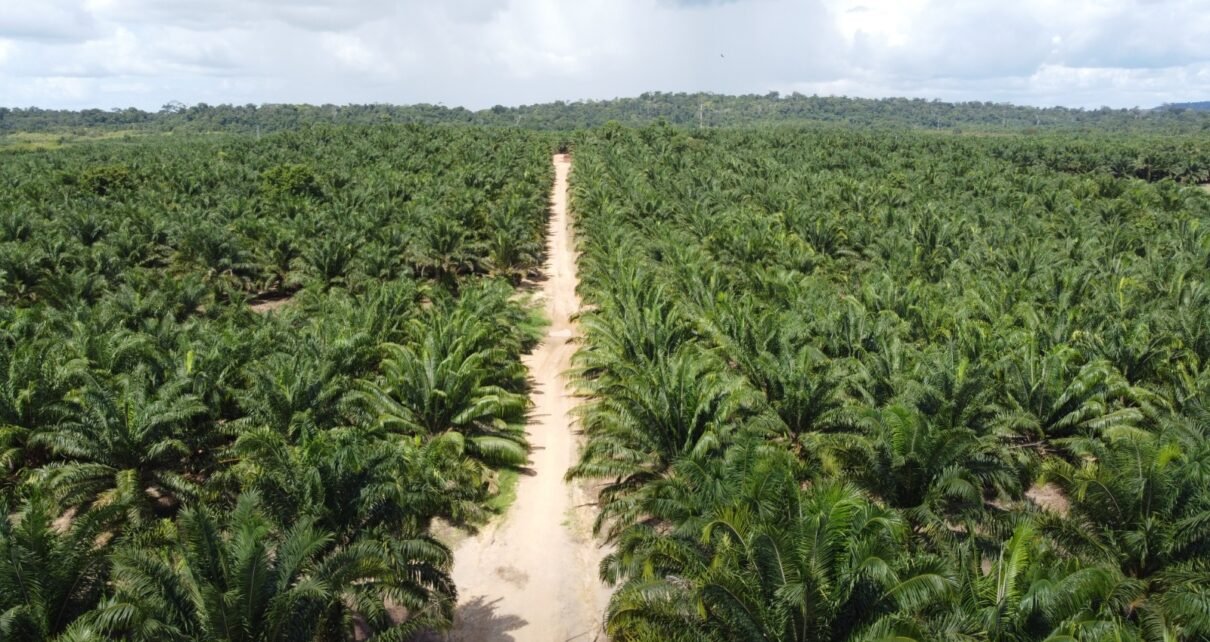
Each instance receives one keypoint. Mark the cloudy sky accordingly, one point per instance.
(477, 53)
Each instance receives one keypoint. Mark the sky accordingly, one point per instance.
(479, 53)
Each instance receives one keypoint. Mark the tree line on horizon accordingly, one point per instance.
(682, 109)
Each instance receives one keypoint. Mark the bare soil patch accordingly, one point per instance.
(268, 303)
(1049, 497)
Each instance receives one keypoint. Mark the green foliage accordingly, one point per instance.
(188, 331)
(242, 579)
(291, 179)
(129, 447)
(828, 371)
(52, 572)
(336, 208)
(103, 180)
(832, 375)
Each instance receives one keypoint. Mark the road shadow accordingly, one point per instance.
(477, 621)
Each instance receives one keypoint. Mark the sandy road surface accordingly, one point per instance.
(532, 575)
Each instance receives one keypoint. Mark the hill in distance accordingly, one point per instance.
(1203, 105)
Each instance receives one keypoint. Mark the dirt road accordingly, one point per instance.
(532, 575)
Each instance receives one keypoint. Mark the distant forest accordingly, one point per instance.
(684, 109)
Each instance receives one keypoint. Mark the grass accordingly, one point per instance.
(506, 491)
(34, 141)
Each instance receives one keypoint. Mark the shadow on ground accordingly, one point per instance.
(478, 621)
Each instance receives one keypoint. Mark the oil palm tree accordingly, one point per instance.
(1139, 504)
(32, 386)
(444, 252)
(935, 473)
(125, 444)
(649, 415)
(242, 578)
(52, 571)
(354, 484)
(327, 260)
(1051, 396)
(294, 393)
(1022, 591)
(438, 387)
(799, 565)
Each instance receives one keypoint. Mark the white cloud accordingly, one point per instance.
(7, 47)
(78, 53)
(46, 20)
(349, 50)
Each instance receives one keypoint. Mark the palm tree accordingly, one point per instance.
(812, 395)
(510, 247)
(438, 386)
(1049, 397)
(1025, 591)
(243, 579)
(486, 317)
(32, 385)
(278, 254)
(796, 565)
(1139, 504)
(444, 253)
(649, 415)
(220, 256)
(327, 260)
(294, 394)
(52, 570)
(935, 473)
(633, 321)
(354, 484)
(125, 446)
